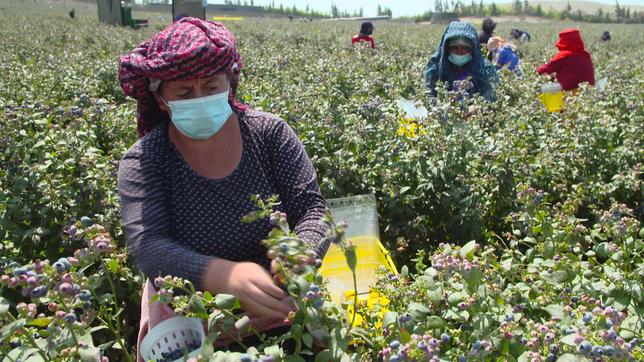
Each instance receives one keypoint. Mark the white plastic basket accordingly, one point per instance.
(176, 333)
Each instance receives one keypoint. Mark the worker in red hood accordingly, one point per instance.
(573, 64)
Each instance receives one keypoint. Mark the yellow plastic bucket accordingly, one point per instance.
(362, 218)
(554, 102)
(371, 255)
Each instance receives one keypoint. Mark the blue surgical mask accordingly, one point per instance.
(459, 60)
(200, 118)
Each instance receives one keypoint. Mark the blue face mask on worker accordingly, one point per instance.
(459, 60)
(200, 118)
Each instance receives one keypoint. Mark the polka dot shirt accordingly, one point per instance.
(177, 221)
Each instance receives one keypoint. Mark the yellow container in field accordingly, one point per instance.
(362, 218)
(552, 96)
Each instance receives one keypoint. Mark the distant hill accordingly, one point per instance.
(588, 7)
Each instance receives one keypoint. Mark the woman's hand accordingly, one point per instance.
(252, 285)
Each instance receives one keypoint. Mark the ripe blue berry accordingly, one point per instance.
(587, 317)
(585, 348)
(86, 221)
(445, 338)
(394, 344)
(70, 318)
(84, 295)
(597, 351)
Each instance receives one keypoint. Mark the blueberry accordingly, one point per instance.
(394, 344)
(39, 292)
(476, 345)
(245, 358)
(597, 351)
(508, 318)
(70, 318)
(609, 351)
(585, 348)
(283, 247)
(445, 338)
(462, 359)
(311, 295)
(552, 357)
(65, 263)
(59, 267)
(587, 317)
(554, 349)
(84, 295)
(318, 303)
(86, 221)
(612, 334)
(394, 358)
(19, 271)
(314, 288)
(574, 299)
(609, 324)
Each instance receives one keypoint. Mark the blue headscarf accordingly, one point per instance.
(439, 68)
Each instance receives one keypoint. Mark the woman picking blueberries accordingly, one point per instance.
(186, 182)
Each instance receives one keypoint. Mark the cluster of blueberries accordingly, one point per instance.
(178, 353)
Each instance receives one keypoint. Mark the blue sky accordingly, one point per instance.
(398, 7)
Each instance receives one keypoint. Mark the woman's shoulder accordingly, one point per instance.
(263, 122)
(152, 147)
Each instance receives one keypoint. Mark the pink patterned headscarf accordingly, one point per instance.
(188, 49)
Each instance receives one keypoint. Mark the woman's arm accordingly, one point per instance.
(293, 175)
(146, 219)
(548, 68)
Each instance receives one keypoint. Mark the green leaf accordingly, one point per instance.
(4, 306)
(473, 280)
(569, 340)
(308, 340)
(113, 265)
(455, 298)
(197, 307)
(418, 311)
(404, 189)
(273, 350)
(40, 322)
(404, 271)
(467, 250)
(556, 311)
(226, 301)
(324, 356)
(435, 322)
(89, 354)
(568, 357)
(389, 318)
